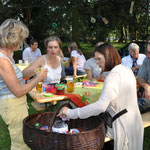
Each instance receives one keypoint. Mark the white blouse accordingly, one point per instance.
(53, 75)
(80, 60)
(119, 92)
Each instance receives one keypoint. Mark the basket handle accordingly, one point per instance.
(55, 115)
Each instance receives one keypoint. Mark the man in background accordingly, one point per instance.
(143, 79)
(32, 52)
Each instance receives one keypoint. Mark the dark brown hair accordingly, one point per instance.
(112, 57)
(52, 38)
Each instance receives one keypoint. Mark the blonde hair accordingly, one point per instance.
(12, 33)
(73, 46)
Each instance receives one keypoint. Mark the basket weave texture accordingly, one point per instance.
(91, 137)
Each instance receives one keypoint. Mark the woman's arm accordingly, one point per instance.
(89, 73)
(146, 87)
(8, 75)
(31, 69)
(74, 63)
(109, 93)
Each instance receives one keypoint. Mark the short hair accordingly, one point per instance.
(53, 38)
(133, 46)
(112, 57)
(32, 41)
(12, 33)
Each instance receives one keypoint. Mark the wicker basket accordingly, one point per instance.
(91, 137)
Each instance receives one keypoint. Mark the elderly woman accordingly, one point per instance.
(118, 94)
(134, 60)
(51, 61)
(13, 105)
(76, 61)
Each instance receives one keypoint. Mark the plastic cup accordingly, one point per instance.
(26, 62)
(20, 62)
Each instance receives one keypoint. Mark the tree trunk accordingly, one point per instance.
(75, 24)
(147, 18)
(121, 35)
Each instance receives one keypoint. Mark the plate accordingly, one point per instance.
(48, 94)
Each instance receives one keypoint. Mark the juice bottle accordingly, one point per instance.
(70, 84)
(39, 87)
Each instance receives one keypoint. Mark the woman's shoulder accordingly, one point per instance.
(142, 55)
(120, 68)
(74, 52)
(91, 60)
(59, 58)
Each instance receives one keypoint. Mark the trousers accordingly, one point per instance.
(13, 111)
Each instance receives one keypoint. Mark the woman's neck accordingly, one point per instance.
(6, 51)
(51, 57)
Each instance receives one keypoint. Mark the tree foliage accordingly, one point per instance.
(72, 18)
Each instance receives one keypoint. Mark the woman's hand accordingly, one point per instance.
(74, 76)
(63, 111)
(42, 74)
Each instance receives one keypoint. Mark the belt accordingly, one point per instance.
(7, 96)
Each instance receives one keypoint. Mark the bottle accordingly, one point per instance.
(70, 84)
(39, 87)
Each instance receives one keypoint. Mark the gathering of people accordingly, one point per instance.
(119, 77)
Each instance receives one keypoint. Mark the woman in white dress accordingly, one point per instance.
(51, 61)
(119, 93)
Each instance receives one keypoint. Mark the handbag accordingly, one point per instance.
(108, 119)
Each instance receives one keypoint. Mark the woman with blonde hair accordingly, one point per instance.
(13, 101)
